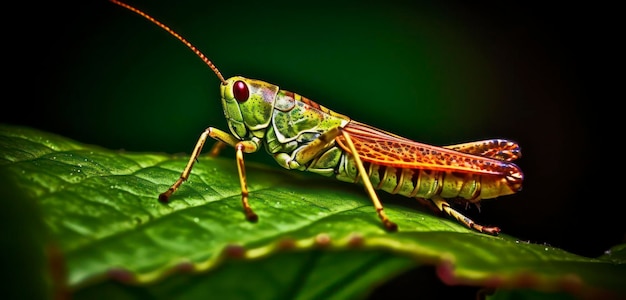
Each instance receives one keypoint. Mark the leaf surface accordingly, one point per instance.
(315, 237)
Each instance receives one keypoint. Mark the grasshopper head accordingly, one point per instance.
(247, 103)
(248, 106)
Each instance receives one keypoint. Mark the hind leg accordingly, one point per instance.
(443, 205)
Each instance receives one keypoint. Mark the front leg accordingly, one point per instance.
(226, 138)
(241, 147)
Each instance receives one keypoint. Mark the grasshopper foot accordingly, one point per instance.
(251, 216)
(484, 229)
(390, 226)
(165, 196)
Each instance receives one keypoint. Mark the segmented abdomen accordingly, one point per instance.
(418, 183)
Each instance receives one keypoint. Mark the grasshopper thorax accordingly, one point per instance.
(248, 105)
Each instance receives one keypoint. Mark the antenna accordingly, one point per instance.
(176, 35)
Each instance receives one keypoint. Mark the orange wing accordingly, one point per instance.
(384, 148)
(499, 149)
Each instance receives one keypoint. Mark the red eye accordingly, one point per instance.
(241, 92)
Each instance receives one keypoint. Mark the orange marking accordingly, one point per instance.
(387, 149)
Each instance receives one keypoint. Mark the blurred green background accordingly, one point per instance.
(439, 73)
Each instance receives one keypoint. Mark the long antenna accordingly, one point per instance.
(176, 35)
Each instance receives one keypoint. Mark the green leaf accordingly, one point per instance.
(315, 238)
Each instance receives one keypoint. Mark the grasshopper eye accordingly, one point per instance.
(240, 91)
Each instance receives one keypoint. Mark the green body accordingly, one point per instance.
(287, 124)
(303, 135)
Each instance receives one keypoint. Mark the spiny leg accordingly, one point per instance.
(391, 226)
(445, 206)
(317, 146)
(165, 196)
(242, 147)
(223, 138)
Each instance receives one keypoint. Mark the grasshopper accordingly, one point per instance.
(303, 135)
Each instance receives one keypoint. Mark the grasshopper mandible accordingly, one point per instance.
(303, 135)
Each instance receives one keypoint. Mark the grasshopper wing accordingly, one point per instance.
(500, 149)
(380, 147)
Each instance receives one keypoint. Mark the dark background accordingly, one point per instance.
(543, 75)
